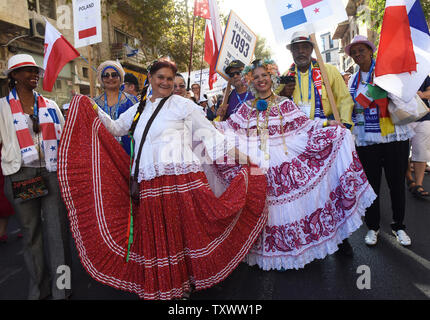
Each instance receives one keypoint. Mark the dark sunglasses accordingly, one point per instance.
(236, 73)
(113, 75)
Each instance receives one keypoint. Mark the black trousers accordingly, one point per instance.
(393, 158)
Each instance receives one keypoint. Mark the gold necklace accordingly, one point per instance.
(263, 131)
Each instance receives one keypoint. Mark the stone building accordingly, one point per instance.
(22, 28)
(358, 23)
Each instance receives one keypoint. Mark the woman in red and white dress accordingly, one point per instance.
(181, 235)
(317, 191)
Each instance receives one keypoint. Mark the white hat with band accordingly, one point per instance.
(20, 61)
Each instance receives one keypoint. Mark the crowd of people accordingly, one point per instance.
(167, 190)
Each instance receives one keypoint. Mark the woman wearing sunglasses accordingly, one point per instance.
(30, 130)
(113, 100)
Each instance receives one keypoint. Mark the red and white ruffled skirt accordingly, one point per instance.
(183, 235)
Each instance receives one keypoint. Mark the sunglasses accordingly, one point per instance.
(113, 75)
(236, 73)
(182, 86)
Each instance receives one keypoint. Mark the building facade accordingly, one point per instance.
(358, 23)
(22, 28)
(330, 49)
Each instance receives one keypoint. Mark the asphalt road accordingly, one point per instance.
(395, 272)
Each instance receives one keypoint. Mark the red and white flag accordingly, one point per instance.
(58, 52)
(208, 9)
(403, 60)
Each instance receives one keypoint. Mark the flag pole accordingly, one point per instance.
(325, 79)
(91, 72)
(191, 54)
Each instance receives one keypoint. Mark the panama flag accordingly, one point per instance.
(403, 60)
(287, 16)
(58, 52)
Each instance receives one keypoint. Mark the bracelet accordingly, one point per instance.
(325, 123)
(95, 106)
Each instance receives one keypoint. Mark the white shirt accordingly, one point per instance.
(177, 142)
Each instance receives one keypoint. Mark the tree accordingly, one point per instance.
(164, 28)
(376, 13)
(262, 51)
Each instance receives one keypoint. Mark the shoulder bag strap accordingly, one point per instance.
(145, 133)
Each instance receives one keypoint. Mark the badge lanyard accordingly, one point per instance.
(240, 100)
(108, 109)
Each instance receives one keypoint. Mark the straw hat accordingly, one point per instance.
(300, 36)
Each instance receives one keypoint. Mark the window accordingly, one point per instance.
(327, 57)
(85, 72)
(45, 8)
(58, 84)
(330, 42)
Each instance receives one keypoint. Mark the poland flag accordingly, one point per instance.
(213, 36)
(403, 60)
(58, 52)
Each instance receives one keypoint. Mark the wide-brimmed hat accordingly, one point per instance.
(359, 39)
(20, 61)
(300, 36)
(234, 64)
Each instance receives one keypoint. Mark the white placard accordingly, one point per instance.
(238, 43)
(87, 22)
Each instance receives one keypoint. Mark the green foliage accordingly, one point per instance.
(262, 51)
(376, 13)
(165, 28)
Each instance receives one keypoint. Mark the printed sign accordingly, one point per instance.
(87, 22)
(238, 43)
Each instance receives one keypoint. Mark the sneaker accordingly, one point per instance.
(402, 237)
(371, 237)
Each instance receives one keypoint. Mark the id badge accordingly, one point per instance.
(306, 108)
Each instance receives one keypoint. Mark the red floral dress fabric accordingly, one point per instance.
(183, 236)
(317, 192)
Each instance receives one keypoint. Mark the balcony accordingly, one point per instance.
(118, 52)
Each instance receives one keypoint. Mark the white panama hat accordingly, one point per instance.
(19, 61)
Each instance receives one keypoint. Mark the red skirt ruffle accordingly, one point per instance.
(183, 236)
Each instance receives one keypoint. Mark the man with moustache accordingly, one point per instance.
(309, 91)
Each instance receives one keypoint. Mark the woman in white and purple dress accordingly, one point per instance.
(317, 190)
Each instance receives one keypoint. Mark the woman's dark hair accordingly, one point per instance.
(11, 82)
(152, 69)
(162, 63)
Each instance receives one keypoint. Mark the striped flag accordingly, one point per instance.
(403, 60)
(58, 52)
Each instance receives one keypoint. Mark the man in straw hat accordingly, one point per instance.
(310, 92)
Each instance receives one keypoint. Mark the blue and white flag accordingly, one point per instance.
(129, 51)
(288, 16)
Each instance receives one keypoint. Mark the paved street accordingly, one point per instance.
(396, 272)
